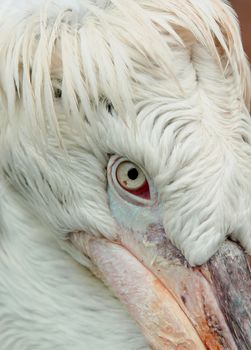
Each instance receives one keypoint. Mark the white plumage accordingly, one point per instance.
(163, 83)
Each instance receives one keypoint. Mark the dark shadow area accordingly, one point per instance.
(243, 9)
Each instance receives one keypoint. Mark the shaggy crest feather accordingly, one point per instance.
(51, 48)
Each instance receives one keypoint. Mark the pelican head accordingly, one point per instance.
(125, 135)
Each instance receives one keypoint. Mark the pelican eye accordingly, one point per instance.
(132, 179)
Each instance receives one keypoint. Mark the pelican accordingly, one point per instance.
(125, 176)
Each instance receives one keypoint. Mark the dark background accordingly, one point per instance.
(243, 9)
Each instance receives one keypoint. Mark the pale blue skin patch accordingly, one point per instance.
(132, 216)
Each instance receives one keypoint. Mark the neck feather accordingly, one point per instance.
(47, 300)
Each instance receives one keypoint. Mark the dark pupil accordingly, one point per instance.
(133, 174)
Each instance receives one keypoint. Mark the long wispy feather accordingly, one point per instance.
(94, 52)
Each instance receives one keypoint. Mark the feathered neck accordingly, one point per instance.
(47, 299)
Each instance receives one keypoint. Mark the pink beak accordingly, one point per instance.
(177, 306)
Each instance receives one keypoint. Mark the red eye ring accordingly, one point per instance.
(142, 192)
